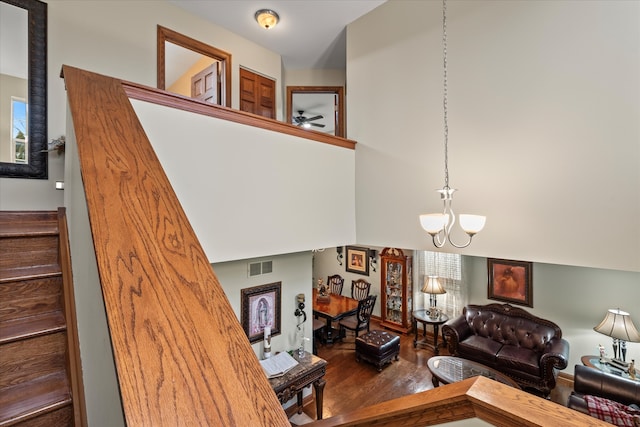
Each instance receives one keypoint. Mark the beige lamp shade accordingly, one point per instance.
(432, 285)
(618, 324)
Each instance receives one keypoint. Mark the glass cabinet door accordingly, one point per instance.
(396, 290)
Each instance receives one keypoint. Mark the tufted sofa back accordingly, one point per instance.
(510, 325)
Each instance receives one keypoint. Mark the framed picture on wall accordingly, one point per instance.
(510, 281)
(261, 307)
(358, 260)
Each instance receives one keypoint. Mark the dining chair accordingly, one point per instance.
(318, 333)
(360, 321)
(335, 283)
(360, 289)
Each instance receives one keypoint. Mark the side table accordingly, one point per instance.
(422, 317)
(594, 362)
(310, 370)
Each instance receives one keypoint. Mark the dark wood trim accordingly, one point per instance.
(38, 166)
(338, 90)
(165, 34)
(160, 97)
(73, 342)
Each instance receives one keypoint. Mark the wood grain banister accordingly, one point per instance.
(478, 397)
(169, 99)
(181, 355)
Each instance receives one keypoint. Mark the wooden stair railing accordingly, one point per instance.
(181, 356)
(40, 374)
(479, 397)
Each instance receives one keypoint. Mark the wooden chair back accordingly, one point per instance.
(360, 289)
(335, 283)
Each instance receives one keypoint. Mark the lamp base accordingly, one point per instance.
(433, 313)
(617, 363)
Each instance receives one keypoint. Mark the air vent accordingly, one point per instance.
(258, 268)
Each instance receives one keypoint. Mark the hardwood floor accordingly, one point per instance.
(351, 385)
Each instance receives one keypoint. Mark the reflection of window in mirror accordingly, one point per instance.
(318, 108)
(13, 84)
(19, 149)
(193, 69)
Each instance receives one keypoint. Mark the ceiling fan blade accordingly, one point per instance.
(317, 125)
(319, 116)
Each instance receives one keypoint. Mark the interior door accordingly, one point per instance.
(205, 85)
(257, 94)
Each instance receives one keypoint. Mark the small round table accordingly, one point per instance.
(422, 317)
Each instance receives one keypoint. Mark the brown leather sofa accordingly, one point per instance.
(528, 349)
(594, 382)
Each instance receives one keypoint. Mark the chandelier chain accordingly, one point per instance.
(445, 100)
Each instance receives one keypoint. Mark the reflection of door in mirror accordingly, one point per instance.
(13, 84)
(204, 84)
(318, 108)
(193, 69)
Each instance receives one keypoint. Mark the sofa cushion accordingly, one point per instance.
(482, 350)
(527, 334)
(513, 358)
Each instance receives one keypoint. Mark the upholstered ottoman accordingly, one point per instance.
(377, 347)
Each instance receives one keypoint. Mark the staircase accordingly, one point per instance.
(40, 379)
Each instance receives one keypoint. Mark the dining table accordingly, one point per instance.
(333, 309)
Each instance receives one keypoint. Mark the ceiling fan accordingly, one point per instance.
(301, 120)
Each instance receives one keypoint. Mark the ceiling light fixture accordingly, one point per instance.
(267, 18)
(439, 225)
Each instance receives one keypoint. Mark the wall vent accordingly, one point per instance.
(259, 268)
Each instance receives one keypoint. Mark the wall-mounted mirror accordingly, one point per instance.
(193, 69)
(23, 89)
(319, 108)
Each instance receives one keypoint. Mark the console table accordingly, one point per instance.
(310, 370)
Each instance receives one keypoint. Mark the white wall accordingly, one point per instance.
(543, 126)
(252, 192)
(315, 77)
(118, 39)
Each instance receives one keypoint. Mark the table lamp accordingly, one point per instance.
(618, 325)
(433, 287)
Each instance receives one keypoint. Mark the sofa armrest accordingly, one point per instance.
(595, 382)
(455, 330)
(556, 354)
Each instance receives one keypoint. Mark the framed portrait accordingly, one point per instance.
(358, 260)
(510, 281)
(261, 307)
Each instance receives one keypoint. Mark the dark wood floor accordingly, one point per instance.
(351, 385)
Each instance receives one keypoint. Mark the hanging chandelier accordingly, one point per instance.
(439, 225)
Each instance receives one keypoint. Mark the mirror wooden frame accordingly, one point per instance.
(167, 35)
(37, 167)
(338, 90)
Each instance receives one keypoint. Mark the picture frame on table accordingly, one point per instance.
(261, 307)
(510, 281)
(357, 260)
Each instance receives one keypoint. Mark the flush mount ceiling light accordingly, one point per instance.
(267, 18)
(439, 225)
